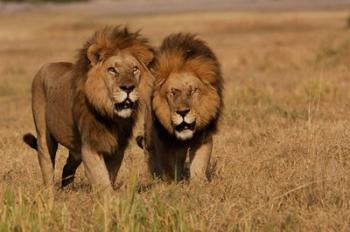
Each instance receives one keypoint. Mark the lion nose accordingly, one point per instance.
(128, 88)
(183, 112)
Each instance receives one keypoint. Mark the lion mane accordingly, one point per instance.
(95, 119)
(183, 53)
(77, 106)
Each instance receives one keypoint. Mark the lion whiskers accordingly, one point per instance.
(177, 119)
(120, 96)
(133, 96)
(189, 118)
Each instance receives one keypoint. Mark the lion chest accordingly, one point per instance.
(107, 137)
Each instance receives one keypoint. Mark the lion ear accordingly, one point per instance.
(93, 54)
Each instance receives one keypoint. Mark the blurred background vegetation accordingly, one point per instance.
(42, 1)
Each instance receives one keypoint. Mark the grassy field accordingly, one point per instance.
(281, 161)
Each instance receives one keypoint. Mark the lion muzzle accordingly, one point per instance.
(184, 124)
(125, 102)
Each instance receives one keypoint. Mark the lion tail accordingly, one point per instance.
(139, 141)
(31, 140)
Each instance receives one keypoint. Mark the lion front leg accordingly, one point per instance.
(113, 164)
(200, 158)
(173, 162)
(95, 169)
(147, 142)
(149, 169)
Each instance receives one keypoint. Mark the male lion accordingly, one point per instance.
(186, 106)
(90, 107)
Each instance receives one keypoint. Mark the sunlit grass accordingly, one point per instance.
(281, 159)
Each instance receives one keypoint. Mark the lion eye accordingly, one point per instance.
(193, 91)
(174, 91)
(135, 70)
(113, 71)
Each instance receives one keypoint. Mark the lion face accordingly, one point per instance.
(112, 84)
(184, 104)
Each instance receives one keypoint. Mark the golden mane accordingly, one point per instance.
(78, 106)
(186, 53)
(98, 118)
(108, 40)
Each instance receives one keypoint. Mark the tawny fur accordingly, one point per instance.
(185, 64)
(75, 105)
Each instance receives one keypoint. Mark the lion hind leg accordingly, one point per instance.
(199, 160)
(69, 169)
(46, 144)
(47, 148)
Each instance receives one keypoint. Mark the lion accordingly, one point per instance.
(186, 106)
(90, 106)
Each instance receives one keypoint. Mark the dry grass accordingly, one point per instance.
(281, 161)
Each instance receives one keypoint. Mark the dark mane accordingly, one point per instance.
(188, 45)
(185, 52)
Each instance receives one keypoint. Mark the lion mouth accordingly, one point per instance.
(127, 104)
(185, 126)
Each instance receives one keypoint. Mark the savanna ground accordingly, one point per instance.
(281, 161)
